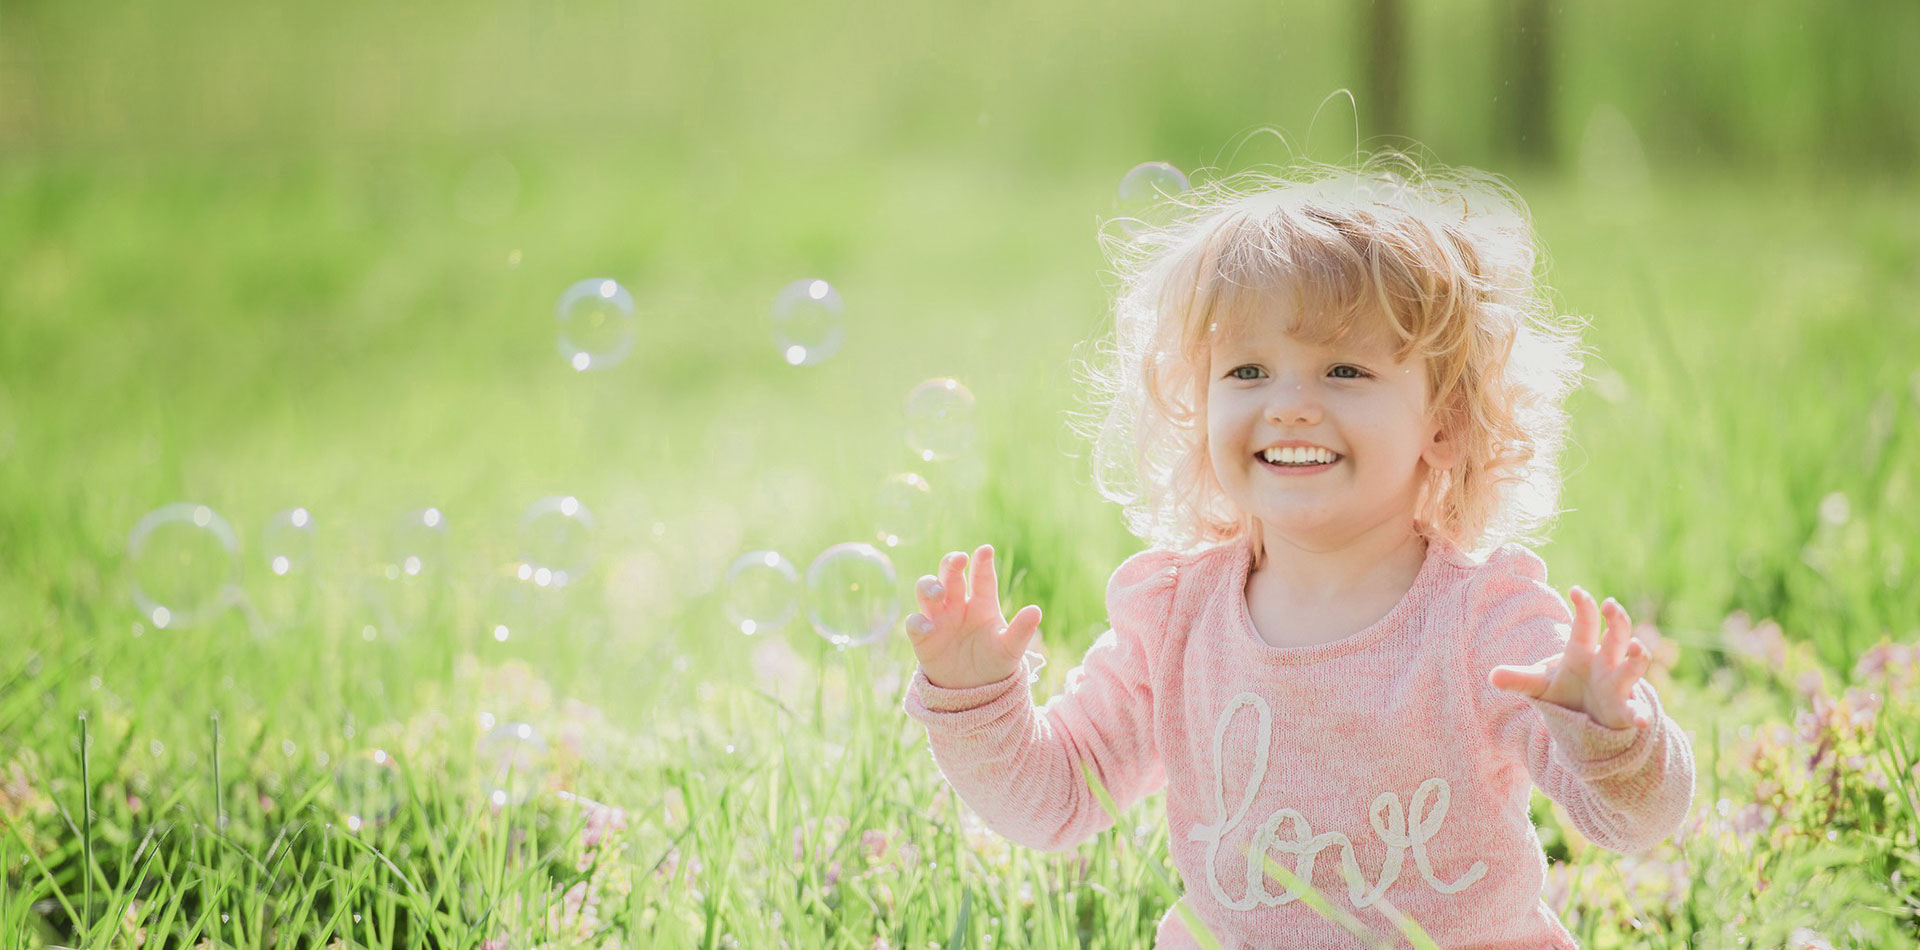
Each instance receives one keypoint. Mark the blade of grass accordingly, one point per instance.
(85, 927)
(1195, 927)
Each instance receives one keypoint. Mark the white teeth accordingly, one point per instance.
(1298, 455)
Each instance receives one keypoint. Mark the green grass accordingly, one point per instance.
(324, 332)
(254, 260)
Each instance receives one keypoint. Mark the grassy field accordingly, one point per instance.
(330, 333)
(309, 260)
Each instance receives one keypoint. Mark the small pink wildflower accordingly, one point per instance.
(1750, 820)
(1764, 643)
(909, 855)
(873, 844)
(1896, 665)
(603, 820)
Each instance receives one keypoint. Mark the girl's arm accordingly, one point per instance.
(1626, 789)
(1018, 767)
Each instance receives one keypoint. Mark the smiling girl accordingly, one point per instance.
(1333, 409)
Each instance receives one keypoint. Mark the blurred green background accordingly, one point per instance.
(266, 255)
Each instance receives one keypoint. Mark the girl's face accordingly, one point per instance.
(1351, 399)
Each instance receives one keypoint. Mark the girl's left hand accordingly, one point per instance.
(1596, 679)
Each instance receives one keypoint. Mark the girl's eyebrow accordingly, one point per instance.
(1369, 350)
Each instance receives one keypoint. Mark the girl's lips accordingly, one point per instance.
(1298, 470)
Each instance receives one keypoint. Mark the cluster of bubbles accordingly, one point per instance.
(851, 593)
(185, 558)
(184, 562)
(598, 324)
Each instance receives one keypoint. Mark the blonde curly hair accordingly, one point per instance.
(1447, 256)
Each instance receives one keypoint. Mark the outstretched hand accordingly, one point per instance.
(960, 637)
(1594, 678)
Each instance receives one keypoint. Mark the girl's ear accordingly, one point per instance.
(1443, 449)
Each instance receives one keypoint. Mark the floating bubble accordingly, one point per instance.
(903, 506)
(417, 544)
(763, 590)
(940, 419)
(596, 324)
(367, 789)
(556, 541)
(184, 561)
(520, 606)
(1146, 194)
(806, 322)
(289, 597)
(513, 762)
(852, 594)
(286, 543)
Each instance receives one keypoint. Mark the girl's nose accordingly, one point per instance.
(1294, 404)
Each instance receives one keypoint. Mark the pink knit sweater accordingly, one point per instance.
(1379, 766)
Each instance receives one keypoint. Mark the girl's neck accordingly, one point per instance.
(1383, 560)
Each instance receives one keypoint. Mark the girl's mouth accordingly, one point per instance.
(1297, 468)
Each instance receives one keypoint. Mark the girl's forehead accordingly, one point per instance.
(1241, 328)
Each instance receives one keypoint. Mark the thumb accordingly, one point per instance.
(1529, 680)
(1025, 626)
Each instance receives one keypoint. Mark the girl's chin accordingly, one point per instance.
(1302, 525)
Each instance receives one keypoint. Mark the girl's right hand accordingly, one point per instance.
(959, 635)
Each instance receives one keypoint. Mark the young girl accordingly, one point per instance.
(1341, 397)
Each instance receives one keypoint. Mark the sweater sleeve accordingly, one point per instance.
(1625, 789)
(1019, 767)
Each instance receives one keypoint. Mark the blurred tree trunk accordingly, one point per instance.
(1526, 102)
(1384, 40)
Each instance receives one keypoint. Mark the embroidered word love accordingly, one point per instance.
(1305, 846)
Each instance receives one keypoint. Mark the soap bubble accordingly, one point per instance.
(851, 594)
(513, 762)
(520, 605)
(404, 593)
(556, 541)
(286, 543)
(904, 505)
(367, 788)
(417, 544)
(806, 322)
(290, 595)
(762, 592)
(1146, 194)
(940, 419)
(185, 562)
(596, 324)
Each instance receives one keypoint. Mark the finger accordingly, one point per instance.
(1020, 633)
(985, 592)
(1586, 621)
(919, 625)
(1527, 680)
(1619, 630)
(931, 595)
(1634, 665)
(950, 568)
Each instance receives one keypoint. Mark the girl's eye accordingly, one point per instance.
(1235, 372)
(1358, 373)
